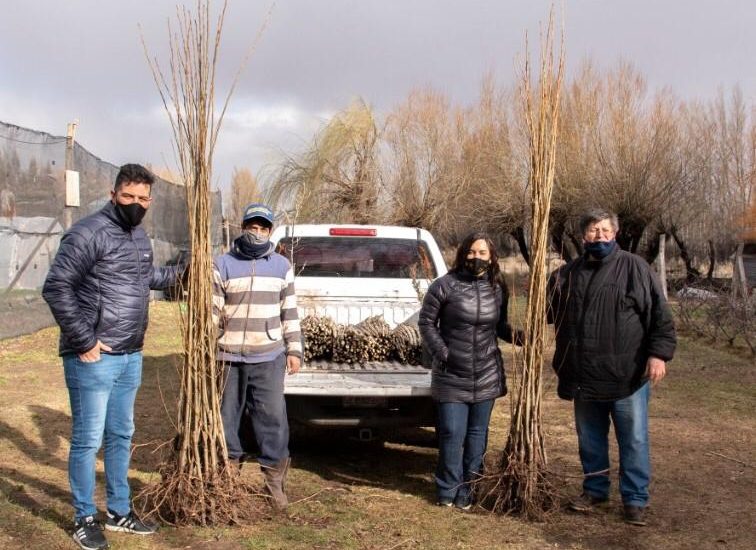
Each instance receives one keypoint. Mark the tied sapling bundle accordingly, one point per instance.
(198, 485)
(521, 485)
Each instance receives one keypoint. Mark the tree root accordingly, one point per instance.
(518, 489)
(179, 499)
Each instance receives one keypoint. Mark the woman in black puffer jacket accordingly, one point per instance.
(463, 313)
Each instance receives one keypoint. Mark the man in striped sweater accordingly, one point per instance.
(259, 341)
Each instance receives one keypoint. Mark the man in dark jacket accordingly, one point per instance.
(98, 290)
(614, 335)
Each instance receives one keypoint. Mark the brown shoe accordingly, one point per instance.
(233, 464)
(275, 483)
(635, 515)
(585, 502)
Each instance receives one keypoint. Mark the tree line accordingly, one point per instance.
(667, 166)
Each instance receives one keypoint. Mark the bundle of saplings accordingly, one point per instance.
(407, 344)
(370, 340)
(318, 333)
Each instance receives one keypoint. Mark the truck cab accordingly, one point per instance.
(350, 273)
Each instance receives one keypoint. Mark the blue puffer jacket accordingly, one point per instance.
(98, 287)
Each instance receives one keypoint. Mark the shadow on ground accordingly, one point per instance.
(401, 460)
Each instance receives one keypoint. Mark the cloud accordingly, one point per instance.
(261, 116)
(84, 59)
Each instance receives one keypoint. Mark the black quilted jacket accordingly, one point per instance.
(610, 315)
(98, 286)
(459, 323)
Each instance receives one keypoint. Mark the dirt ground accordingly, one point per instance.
(379, 494)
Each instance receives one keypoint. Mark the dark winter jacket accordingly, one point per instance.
(610, 316)
(98, 287)
(459, 322)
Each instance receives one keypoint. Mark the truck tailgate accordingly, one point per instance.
(384, 378)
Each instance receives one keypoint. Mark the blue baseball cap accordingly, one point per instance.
(258, 210)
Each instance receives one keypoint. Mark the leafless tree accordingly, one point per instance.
(244, 190)
(422, 183)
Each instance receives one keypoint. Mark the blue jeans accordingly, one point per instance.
(630, 419)
(462, 439)
(257, 389)
(102, 405)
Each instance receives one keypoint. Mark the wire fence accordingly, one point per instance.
(34, 215)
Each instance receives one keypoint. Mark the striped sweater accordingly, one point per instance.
(255, 309)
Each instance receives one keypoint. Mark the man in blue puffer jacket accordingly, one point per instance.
(98, 290)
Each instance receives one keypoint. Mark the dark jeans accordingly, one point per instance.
(462, 439)
(630, 419)
(257, 390)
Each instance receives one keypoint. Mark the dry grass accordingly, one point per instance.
(379, 495)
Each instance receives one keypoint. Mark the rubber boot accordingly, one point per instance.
(275, 483)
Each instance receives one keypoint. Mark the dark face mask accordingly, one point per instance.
(476, 266)
(249, 245)
(600, 249)
(253, 238)
(132, 214)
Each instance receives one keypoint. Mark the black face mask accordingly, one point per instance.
(131, 214)
(476, 266)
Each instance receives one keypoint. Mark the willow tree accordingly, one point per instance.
(337, 179)
(197, 486)
(522, 486)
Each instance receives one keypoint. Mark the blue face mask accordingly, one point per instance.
(600, 249)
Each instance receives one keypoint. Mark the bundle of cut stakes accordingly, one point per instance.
(370, 340)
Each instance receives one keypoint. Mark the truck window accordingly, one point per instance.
(358, 257)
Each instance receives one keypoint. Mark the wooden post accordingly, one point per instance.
(226, 235)
(739, 283)
(69, 165)
(663, 263)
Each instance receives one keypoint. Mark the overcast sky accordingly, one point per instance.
(82, 59)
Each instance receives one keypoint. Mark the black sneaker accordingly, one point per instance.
(129, 523)
(463, 503)
(88, 534)
(444, 502)
(585, 502)
(635, 515)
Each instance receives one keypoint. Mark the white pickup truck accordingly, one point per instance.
(350, 273)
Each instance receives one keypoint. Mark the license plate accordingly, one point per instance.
(359, 402)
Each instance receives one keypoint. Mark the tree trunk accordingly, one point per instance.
(519, 235)
(712, 261)
(564, 245)
(691, 273)
(577, 243)
(630, 238)
(653, 246)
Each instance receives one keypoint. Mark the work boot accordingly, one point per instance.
(635, 515)
(275, 482)
(585, 502)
